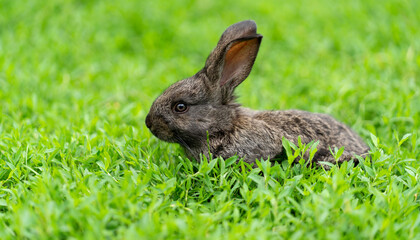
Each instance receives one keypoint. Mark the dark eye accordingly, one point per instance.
(180, 107)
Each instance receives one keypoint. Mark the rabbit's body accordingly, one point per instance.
(258, 134)
(200, 112)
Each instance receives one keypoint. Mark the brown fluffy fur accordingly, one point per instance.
(233, 129)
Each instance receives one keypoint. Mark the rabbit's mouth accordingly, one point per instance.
(166, 136)
(159, 129)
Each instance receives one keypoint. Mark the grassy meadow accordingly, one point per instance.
(77, 79)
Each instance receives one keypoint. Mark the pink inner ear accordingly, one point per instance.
(238, 61)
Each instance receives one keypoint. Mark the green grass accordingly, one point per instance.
(77, 79)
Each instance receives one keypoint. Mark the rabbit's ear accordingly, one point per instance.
(232, 59)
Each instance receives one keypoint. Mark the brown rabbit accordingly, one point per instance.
(200, 112)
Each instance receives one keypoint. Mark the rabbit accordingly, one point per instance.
(200, 112)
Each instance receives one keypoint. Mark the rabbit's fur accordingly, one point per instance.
(200, 112)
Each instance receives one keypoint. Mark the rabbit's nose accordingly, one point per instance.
(148, 121)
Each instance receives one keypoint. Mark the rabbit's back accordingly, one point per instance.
(313, 126)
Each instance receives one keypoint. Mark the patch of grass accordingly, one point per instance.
(77, 79)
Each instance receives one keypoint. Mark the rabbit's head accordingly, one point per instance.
(190, 108)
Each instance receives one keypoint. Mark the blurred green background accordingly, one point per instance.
(84, 62)
(77, 79)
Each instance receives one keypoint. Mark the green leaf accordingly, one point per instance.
(286, 146)
(313, 150)
(375, 140)
(404, 138)
(3, 203)
(257, 179)
(339, 153)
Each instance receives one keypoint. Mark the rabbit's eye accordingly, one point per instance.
(180, 107)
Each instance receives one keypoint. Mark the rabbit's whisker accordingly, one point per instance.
(183, 143)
